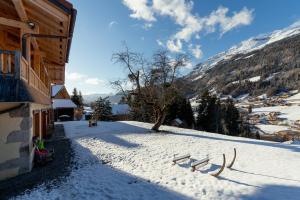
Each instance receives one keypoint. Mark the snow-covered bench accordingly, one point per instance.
(199, 163)
(180, 158)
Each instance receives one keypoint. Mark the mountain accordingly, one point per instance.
(113, 98)
(266, 63)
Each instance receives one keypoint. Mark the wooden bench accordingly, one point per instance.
(199, 163)
(180, 158)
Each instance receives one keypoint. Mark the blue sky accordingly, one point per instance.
(200, 28)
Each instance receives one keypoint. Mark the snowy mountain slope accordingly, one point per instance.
(247, 46)
(114, 99)
(273, 62)
(139, 165)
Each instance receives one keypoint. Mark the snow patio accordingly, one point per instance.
(124, 160)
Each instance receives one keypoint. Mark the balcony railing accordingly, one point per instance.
(14, 65)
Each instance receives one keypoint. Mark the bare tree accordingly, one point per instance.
(153, 83)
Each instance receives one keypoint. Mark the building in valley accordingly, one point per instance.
(63, 106)
(35, 41)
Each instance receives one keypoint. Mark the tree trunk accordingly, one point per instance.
(159, 121)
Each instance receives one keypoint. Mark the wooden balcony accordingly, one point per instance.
(15, 67)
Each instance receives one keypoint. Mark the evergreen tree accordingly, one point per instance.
(208, 113)
(77, 98)
(202, 118)
(140, 111)
(182, 109)
(80, 98)
(216, 117)
(103, 109)
(187, 114)
(232, 118)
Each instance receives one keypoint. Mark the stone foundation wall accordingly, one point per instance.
(15, 131)
(16, 148)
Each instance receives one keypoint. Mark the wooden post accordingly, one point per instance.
(17, 64)
(8, 60)
(28, 50)
(4, 63)
(17, 71)
(37, 63)
(1, 62)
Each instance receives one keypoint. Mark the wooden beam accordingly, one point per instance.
(23, 16)
(20, 9)
(45, 22)
(49, 9)
(17, 24)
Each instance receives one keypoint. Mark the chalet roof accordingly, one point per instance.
(46, 18)
(55, 89)
(63, 103)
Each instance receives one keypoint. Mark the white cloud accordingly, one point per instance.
(196, 51)
(94, 81)
(174, 45)
(140, 10)
(75, 76)
(147, 26)
(180, 11)
(82, 78)
(189, 65)
(112, 23)
(226, 23)
(160, 43)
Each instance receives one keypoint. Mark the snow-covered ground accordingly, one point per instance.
(271, 129)
(290, 113)
(295, 99)
(140, 165)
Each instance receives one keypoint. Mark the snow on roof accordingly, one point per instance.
(271, 129)
(294, 97)
(179, 121)
(242, 97)
(63, 103)
(254, 79)
(294, 92)
(120, 109)
(289, 112)
(263, 96)
(56, 89)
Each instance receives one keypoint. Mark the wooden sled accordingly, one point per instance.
(200, 163)
(233, 160)
(180, 158)
(215, 174)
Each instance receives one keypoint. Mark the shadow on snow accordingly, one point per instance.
(99, 181)
(274, 192)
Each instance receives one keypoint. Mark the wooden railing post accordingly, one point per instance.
(17, 64)
(1, 62)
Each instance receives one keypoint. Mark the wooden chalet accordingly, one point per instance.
(35, 41)
(63, 106)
